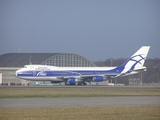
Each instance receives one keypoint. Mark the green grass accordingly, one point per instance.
(83, 113)
(61, 92)
(147, 112)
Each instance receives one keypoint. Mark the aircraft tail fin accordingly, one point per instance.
(138, 58)
(134, 63)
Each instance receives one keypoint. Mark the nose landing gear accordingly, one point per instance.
(28, 84)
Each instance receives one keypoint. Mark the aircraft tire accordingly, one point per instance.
(84, 83)
(29, 84)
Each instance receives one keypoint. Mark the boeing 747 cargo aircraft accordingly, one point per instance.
(81, 75)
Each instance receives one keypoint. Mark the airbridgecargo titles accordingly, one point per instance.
(81, 75)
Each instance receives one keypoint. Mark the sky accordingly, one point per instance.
(95, 29)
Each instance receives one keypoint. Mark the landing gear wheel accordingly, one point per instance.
(29, 84)
(79, 84)
(66, 83)
(84, 83)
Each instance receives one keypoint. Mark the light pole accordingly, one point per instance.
(141, 79)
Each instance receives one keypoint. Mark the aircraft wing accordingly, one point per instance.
(89, 78)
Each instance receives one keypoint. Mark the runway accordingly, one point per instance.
(73, 102)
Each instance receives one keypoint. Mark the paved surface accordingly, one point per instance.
(71, 102)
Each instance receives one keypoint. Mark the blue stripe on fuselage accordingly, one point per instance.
(69, 72)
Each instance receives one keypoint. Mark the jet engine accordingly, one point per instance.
(72, 81)
(98, 78)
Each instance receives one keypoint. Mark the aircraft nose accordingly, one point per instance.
(15, 73)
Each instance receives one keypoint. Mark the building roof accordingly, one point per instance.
(21, 59)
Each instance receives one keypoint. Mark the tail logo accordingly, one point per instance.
(138, 59)
(133, 62)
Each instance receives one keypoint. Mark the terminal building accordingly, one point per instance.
(11, 62)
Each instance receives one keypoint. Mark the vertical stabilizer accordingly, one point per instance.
(138, 58)
(135, 62)
(141, 55)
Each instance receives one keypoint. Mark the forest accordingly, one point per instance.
(152, 75)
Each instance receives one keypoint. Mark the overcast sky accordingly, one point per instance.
(95, 29)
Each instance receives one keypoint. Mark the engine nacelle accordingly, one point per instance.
(72, 81)
(98, 78)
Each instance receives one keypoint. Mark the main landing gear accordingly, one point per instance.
(81, 83)
(28, 84)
